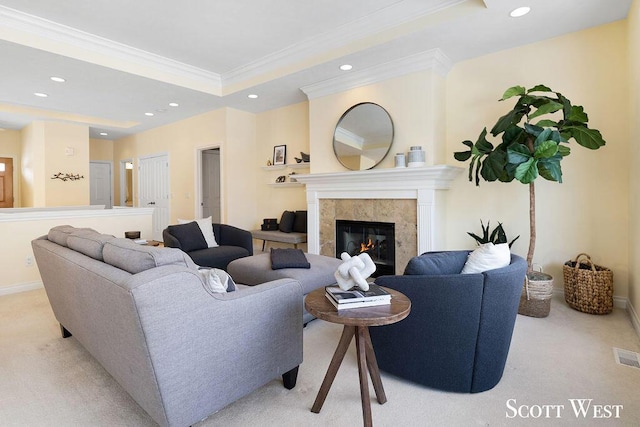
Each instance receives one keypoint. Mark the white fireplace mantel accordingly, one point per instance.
(420, 184)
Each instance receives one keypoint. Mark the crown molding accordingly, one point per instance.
(115, 55)
(433, 59)
(384, 19)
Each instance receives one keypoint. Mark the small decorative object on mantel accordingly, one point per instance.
(416, 157)
(292, 178)
(67, 176)
(400, 163)
(354, 271)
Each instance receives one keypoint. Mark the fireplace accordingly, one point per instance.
(375, 238)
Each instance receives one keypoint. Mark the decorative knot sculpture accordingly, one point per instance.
(354, 271)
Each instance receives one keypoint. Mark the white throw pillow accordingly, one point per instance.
(487, 257)
(217, 280)
(206, 228)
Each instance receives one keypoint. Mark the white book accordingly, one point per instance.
(359, 304)
(375, 293)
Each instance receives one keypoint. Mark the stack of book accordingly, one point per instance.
(357, 298)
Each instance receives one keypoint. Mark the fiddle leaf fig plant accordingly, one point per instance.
(534, 137)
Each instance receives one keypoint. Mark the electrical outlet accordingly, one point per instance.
(28, 261)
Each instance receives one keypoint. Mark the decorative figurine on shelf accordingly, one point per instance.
(292, 178)
(269, 162)
(354, 271)
(304, 158)
(280, 179)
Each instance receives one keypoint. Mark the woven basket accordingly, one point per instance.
(535, 300)
(588, 287)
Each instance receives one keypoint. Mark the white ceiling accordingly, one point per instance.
(123, 58)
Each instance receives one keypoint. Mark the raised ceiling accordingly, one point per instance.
(122, 58)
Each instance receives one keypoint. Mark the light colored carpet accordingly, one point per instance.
(49, 381)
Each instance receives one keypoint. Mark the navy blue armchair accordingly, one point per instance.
(458, 334)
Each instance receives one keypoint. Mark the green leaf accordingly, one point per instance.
(493, 166)
(518, 154)
(539, 88)
(546, 150)
(547, 108)
(512, 118)
(547, 123)
(545, 135)
(527, 172)
(577, 114)
(513, 91)
(588, 138)
(482, 146)
(512, 134)
(563, 150)
(533, 130)
(550, 169)
(462, 156)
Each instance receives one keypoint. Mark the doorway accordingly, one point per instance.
(6, 182)
(153, 190)
(210, 197)
(101, 184)
(126, 183)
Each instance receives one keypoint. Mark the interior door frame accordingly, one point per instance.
(110, 163)
(15, 179)
(198, 180)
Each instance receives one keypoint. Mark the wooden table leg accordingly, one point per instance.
(372, 364)
(361, 348)
(347, 334)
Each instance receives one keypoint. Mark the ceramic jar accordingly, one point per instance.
(416, 156)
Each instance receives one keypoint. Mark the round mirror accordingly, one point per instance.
(363, 136)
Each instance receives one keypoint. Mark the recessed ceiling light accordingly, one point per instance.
(148, 114)
(521, 11)
(104, 133)
(346, 67)
(57, 79)
(40, 94)
(173, 104)
(252, 96)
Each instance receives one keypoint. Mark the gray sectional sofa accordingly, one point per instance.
(147, 316)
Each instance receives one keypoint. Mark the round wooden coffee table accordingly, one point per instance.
(356, 322)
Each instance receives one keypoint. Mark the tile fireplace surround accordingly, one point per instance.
(412, 198)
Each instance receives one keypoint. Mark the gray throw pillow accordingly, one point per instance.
(189, 235)
(300, 223)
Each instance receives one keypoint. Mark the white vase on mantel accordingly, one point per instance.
(415, 157)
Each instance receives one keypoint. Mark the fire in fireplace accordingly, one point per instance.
(375, 238)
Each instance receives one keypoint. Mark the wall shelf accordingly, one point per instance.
(285, 184)
(304, 165)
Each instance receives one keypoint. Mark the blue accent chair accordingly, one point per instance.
(458, 334)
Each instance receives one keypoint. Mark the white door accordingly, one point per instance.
(154, 190)
(100, 184)
(211, 184)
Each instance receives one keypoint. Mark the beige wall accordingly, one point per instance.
(415, 103)
(11, 147)
(283, 126)
(633, 50)
(588, 212)
(45, 152)
(100, 150)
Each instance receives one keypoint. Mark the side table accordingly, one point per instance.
(356, 323)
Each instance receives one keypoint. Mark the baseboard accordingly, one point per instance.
(635, 320)
(21, 287)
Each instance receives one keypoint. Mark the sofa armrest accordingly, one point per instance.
(233, 236)
(169, 240)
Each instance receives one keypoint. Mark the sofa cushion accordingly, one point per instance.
(217, 280)
(218, 257)
(437, 263)
(89, 244)
(288, 258)
(487, 257)
(61, 233)
(300, 223)
(207, 230)
(286, 221)
(129, 256)
(189, 235)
